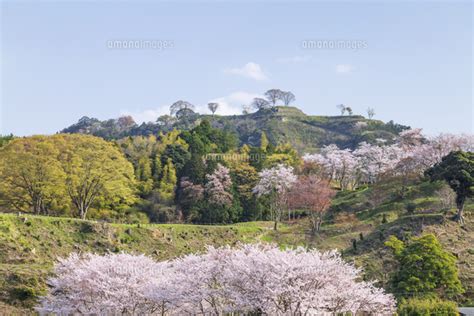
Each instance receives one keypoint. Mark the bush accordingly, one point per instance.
(411, 207)
(425, 269)
(427, 307)
(22, 293)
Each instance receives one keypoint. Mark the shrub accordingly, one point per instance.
(427, 307)
(22, 293)
(425, 268)
(410, 207)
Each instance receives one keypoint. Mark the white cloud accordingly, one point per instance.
(232, 103)
(249, 70)
(344, 68)
(147, 115)
(294, 59)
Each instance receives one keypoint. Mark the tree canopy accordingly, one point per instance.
(65, 172)
(425, 269)
(457, 169)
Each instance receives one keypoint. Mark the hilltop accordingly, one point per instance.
(281, 124)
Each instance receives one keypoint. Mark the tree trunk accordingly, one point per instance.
(318, 224)
(275, 225)
(459, 216)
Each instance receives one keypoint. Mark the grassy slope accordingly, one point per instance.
(28, 247)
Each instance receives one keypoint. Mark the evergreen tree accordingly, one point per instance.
(168, 182)
(457, 169)
(425, 269)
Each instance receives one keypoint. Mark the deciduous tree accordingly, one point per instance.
(213, 107)
(287, 97)
(180, 105)
(314, 195)
(275, 183)
(31, 176)
(96, 171)
(249, 279)
(273, 95)
(260, 104)
(218, 187)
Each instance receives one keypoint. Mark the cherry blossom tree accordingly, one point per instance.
(256, 278)
(190, 193)
(408, 157)
(314, 195)
(275, 183)
(338, 164)
(218, 187)
(102, 285)
(411, 137)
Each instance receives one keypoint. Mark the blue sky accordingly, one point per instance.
(57, 66)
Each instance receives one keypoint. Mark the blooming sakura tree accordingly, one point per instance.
(410, 156)
(248, 279)
(375, 161)
(102, 285)
(314, 195)
(338, 164)
(218, 186)
(411, 137)
(190, 193)
(275, 183)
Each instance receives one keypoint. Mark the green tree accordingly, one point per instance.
(457, 169)
(157, 168)
(31, 176)
(425, 269)
(178, 155)
(96, 172)
(5, 139)
(264, 142)
(245, 177)
(64, 171)
(283, 154)
(167, 185)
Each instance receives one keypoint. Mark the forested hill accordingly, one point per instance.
(281, 124)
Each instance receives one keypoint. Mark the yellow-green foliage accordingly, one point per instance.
(60, 173)
(168, 182)
(419, 307)
(425, 268)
